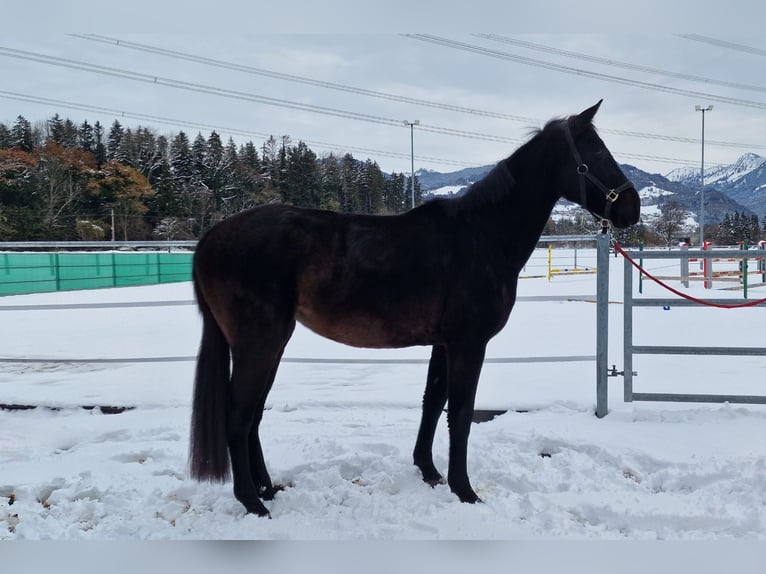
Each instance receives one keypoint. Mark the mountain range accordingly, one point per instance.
(740, 186)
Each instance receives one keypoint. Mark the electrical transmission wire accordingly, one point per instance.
(228, 130)
(245, 96)
(376, 94)
(580, 72)
(723, 44)
(616, 64)
(299, 79)
(222, 92)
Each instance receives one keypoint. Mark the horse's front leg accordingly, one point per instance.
(434, 399)
(464, 366)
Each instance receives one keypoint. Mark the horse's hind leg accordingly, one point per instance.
(258, 471)
(255, 362)
(434, 399)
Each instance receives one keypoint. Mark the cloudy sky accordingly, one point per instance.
(476, 97)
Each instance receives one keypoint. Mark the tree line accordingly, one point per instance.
(65, 181)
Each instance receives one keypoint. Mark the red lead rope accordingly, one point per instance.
(684, 295)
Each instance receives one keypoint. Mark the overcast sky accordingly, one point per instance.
(511, 89)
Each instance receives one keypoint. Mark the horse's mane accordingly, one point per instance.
(494, 187)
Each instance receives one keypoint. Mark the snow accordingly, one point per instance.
(733, 173)
(652, 192)
(744, 165)
(447, 190)
(340, 435)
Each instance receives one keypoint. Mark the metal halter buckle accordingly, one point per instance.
(612, 195)
(582, 169)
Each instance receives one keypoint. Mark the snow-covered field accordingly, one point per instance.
(340, 435)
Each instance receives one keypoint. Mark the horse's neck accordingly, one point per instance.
(517, 203)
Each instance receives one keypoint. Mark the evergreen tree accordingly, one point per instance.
(165, 201)
(350, 201)
(70, 134)
(198, 155)
(270, 163)
(249, 179)
(726, 231)
(394, 194)
(100, 146)
(5, 137)
(300, 184)
(114, 141)
(330, 183)
(56, 130)
(180, 158)
(21, 135)
(371, 187)
(85, 137)
(754, 230)
(217, 175)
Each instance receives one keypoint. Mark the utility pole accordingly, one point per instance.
(412, 156)
(702, 176)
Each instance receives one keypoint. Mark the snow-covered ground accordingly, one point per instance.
(340, 435)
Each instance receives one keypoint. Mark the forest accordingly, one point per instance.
(65, 181)
(62, 181)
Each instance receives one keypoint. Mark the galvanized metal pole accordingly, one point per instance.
(412, 157)
(627, 332)
(602, 324)
(412, 165)
(702, 175)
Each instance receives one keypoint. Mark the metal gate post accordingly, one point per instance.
(627, 334)
(602, 323)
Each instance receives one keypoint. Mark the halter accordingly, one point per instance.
(584, 173)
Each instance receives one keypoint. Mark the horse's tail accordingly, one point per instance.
(208, 451)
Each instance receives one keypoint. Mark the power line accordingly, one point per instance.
(580, 72)
(212, 90)
(216, 91)
(223, 129)
(299, 79)
(723, 44)
(234, 94)
(617, 64)
(377, 94)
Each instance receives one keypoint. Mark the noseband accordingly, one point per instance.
(584, 172)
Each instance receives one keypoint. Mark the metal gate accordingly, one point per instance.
(630, 349)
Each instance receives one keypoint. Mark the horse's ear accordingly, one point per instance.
(585, 118)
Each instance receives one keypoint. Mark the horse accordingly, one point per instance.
(443, 274)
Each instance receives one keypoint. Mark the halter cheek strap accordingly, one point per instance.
(584, 172)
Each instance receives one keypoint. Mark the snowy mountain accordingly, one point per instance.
(719, 175)
(744, 181)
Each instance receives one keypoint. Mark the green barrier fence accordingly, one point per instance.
(41, 272)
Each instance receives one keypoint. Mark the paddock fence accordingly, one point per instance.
(33, 267)
(148, 267)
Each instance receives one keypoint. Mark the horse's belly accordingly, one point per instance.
(365, 331)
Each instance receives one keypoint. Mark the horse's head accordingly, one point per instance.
(591, 176)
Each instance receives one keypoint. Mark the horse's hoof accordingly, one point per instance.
(268, 493)
(258, 510)
(467, 495)
(434, 482)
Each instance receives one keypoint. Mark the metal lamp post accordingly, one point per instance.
(702, 176)
(412, 155)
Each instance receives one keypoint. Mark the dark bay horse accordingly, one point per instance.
(443, 274)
